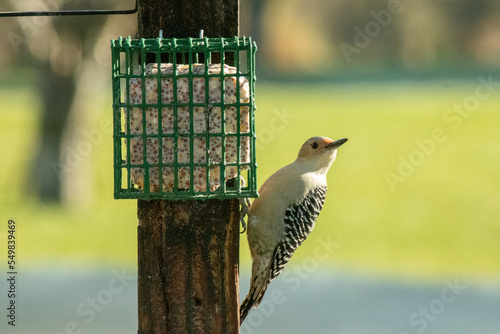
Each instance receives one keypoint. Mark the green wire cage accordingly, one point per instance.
(184, 118)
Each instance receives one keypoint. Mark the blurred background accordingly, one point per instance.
(409, 238)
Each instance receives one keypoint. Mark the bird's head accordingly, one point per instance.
(320, 152)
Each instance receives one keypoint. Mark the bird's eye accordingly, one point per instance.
(314, 145)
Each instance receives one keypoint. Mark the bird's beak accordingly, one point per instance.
(336, 144)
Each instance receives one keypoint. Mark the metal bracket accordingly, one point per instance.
(72, 12)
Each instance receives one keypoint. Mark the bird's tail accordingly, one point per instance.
(253, 299)
(258, 285)
(245, 307)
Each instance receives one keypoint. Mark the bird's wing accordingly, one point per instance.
(299, 222)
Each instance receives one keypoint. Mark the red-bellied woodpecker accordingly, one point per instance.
(285, 213)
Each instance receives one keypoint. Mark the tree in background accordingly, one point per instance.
(62, 51)
(375, 35)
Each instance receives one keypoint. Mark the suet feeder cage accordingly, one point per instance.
(184, 118)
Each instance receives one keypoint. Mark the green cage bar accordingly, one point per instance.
(184, 118)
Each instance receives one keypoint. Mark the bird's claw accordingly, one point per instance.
(245, 206)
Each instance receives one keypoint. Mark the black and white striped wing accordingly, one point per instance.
(299, 222)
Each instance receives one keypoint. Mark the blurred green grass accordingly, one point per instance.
(444, 219)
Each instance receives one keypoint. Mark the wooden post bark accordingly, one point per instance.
(188, 251)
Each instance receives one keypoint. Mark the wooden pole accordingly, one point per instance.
(188, 251)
